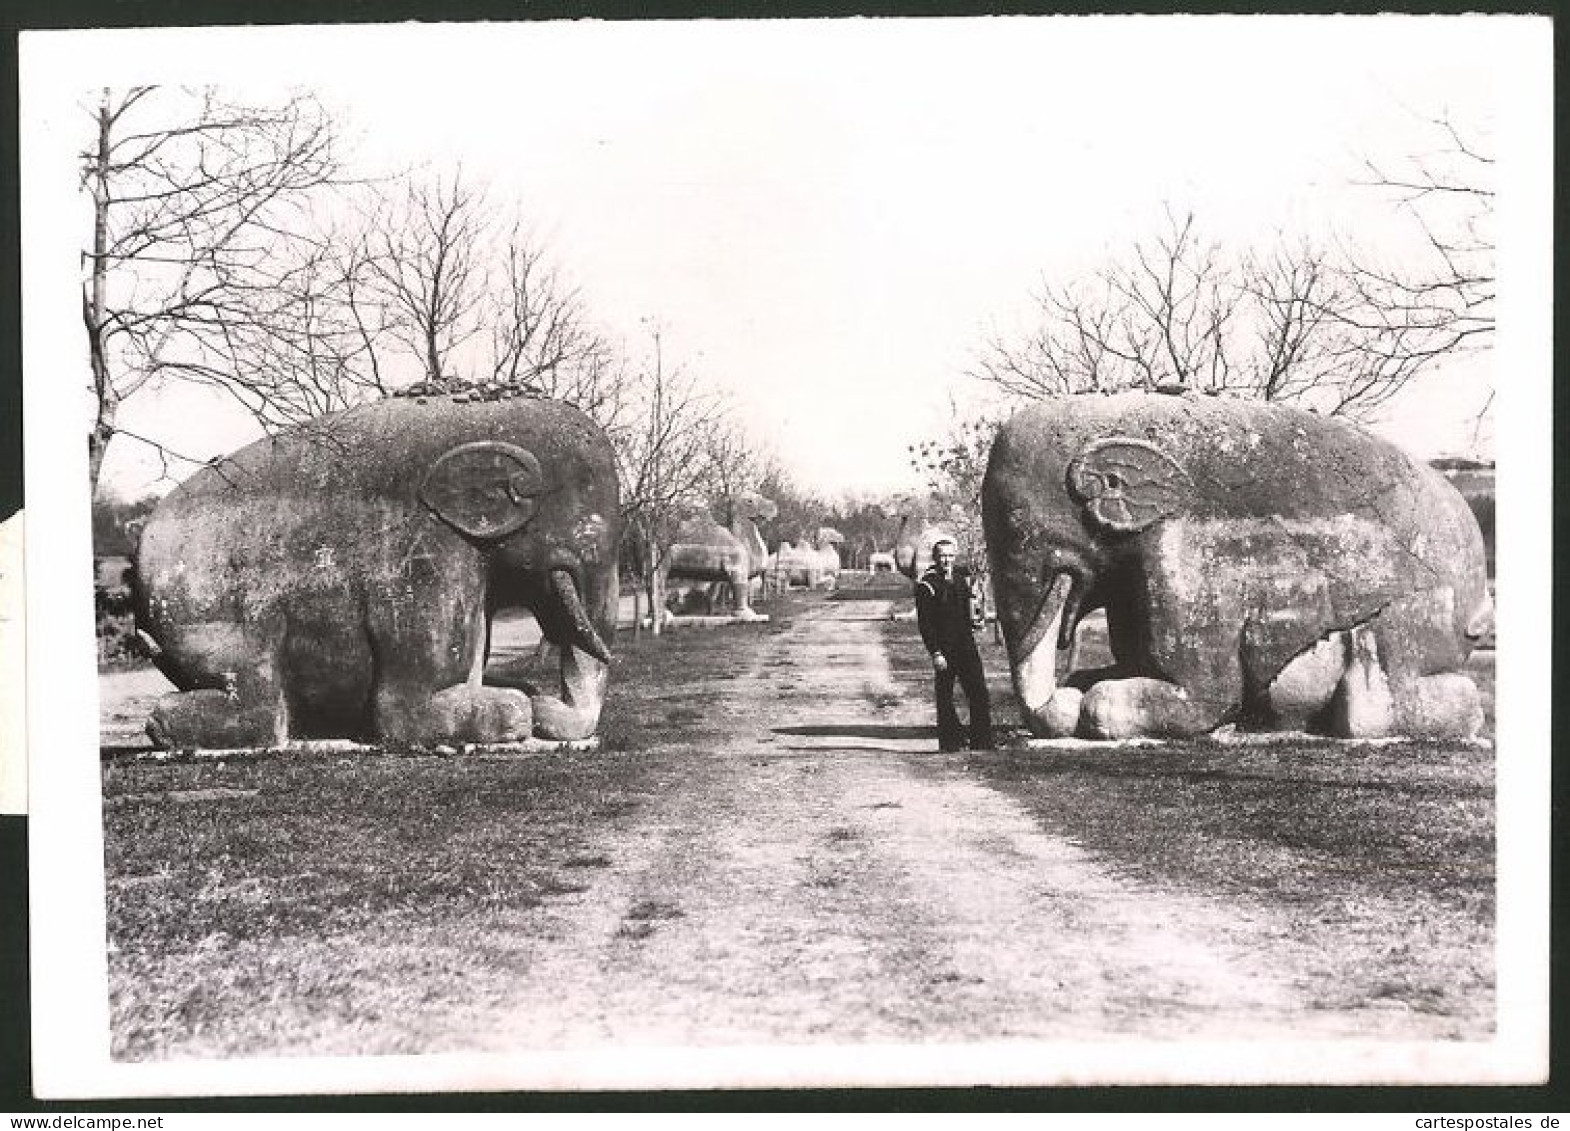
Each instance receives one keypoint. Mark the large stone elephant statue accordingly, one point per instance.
(729, 553)
(339, 580)
(1257, 564)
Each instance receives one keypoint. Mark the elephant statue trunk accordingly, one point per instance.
(1040, 606)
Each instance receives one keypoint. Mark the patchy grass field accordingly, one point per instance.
(769, 848)
(299, 902)
(1379, 862)
(330, 903)
(1379, 859)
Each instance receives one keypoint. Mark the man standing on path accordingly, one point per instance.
(947, 616)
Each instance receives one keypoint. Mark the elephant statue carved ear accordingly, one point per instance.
(1125, 484)
(485, 490)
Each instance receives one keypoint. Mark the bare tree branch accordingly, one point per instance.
(1443, 304)
(1289, 322)
(427, 265)
(194, 199)
(663, 459)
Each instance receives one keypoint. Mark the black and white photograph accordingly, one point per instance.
(792, 553)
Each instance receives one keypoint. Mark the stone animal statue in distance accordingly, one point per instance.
(1258, 564)
(815, 565)
(827, 544)
(339, 580)
(730, 553)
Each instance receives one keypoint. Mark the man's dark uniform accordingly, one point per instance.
(944, 615)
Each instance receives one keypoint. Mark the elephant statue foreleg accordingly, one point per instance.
(245, 707)
(212, 719)
(462, 712)
(1401, 678)
(573, 648)
(1114, 702)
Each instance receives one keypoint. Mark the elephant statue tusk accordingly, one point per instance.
(565, 589)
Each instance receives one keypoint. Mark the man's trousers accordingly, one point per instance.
(964, 664)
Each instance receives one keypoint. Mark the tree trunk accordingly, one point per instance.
(93, 308)
(97, 444)
(656, 600)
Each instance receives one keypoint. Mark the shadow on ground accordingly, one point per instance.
(858, 730)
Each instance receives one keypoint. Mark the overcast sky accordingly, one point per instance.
(827, 217)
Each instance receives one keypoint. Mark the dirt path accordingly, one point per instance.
(836, 877)
(792, 862)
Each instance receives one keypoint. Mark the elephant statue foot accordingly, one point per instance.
(1257, 564)
(1447, 705)
(1141, 706)
(1355, 699)
(216, 720)
(1116, 709)
(459, 714)
(213, 720)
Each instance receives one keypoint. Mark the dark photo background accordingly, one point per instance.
(14, 1009)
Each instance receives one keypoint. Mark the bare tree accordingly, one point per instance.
(1320, 338)
(311, 344)
(1445, 298)
(426, 262)
(1449, 194)
(193, 198)
(449, 292)
(1291, 322)
(1162, 315)
(734, 462)
(662, 455)
(540, 335)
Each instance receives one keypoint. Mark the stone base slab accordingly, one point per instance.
(1230, 736)
(686, 621)
(350, 747)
